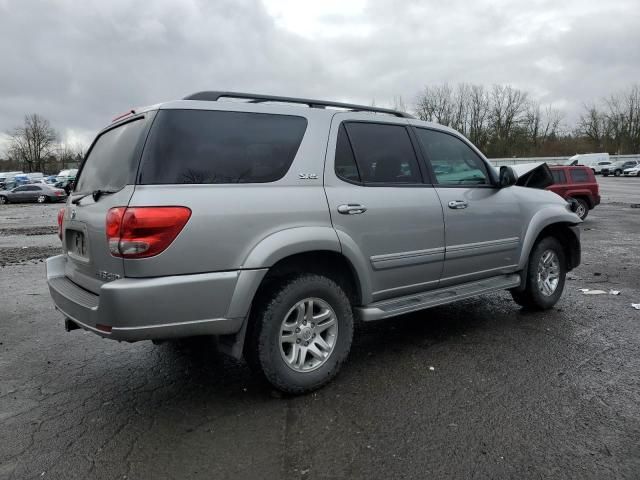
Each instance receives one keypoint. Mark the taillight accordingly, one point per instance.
(60, 222)
(140, 232)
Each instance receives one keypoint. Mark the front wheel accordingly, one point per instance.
(617, 173)
(300, 333)
(546, 272)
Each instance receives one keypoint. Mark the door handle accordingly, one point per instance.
(351, 209)
(458, 204)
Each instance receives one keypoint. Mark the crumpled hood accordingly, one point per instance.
(533, 175)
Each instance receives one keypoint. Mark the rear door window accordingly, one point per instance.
(345, 163)
(205, 146)
(113, 159)
(383, 153)
(579, 176)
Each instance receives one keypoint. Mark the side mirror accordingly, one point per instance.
(507, 176)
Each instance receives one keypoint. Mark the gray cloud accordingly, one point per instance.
(81, 63)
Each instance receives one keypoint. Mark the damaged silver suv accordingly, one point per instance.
(275, 227)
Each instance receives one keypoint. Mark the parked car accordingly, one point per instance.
(618, 167)
(32, 192)
(632, 171)
(595, 161)
(50, 180)
(66, 185)
(275, 227)
(68, 174)
(579, 184)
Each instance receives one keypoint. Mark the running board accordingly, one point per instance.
(432, 298)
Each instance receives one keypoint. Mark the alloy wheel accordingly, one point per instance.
(548, 272)
(308, 334)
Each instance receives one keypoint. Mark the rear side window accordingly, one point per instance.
(345, 163)
(113, 159)
(558, 176)
(579, 176)
(203, 146)
(453, 161)
(384, 153)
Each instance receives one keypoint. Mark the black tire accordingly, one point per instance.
(605, 174)
(583, 208)
(532, 296)
(617, 173)
(262, 347)
(3, 200)
(43, 199)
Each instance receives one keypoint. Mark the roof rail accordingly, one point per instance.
(257, 98)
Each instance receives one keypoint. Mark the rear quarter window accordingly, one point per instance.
(217, 147)
(558, 176)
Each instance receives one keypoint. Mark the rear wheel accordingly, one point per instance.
(3, 200)
(546, 274)
(582, 209)
(617, 173)
(300, 333)
(42, 199)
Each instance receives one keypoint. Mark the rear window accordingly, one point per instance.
(580, 175)
(113, 159)
(203, 146)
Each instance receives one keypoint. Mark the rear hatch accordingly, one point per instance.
(106, 180)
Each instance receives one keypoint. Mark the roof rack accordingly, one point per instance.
(256, 98)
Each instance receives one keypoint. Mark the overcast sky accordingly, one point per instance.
(79, 63)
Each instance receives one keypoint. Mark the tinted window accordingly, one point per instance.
(579, 176)
(112, 161)
(345, 162)
(33, 188)
(384, 153)
(453, 161)
(558, 176)
(21, 189)
(202, 146)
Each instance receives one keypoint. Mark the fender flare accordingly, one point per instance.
(292, 241)
(541, 220)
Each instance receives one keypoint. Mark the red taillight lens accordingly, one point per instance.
(60, 222)
(140, 232)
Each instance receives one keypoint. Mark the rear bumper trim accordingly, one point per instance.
(148, 309)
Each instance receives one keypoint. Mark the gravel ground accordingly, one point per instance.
(511, 394)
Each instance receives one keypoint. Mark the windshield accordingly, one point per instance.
(113, 159)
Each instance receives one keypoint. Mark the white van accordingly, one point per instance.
(596, 161)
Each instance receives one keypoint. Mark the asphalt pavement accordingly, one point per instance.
(479, 389)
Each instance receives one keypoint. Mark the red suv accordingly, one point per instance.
(578, 183)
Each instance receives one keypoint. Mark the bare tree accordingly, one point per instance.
(507, 106)
(32, 143)
(479, 109)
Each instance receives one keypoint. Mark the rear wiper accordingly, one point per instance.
(96, 195)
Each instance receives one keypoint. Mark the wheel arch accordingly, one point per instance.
(567, 233)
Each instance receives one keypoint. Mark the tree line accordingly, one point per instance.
(504, 121)
(34, 146)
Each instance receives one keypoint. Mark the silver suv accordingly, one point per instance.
(275, 227)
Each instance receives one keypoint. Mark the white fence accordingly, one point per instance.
(496, 162)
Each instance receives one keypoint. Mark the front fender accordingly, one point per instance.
(553, 214)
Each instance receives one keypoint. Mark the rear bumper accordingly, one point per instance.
(134, 309)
